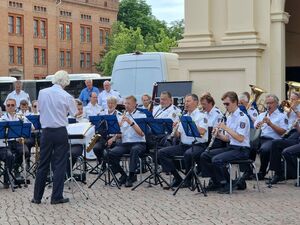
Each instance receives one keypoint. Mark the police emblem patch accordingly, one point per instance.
(205, 120)
(174, 115)
(242, 125)
(255, 114)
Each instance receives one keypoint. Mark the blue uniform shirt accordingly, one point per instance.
(86, 93)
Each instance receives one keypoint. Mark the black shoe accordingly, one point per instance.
(241, 184)
(35, 201)
(59, 201)
(213, 186)
(5, 185)
(275, 179)
(130, 181)
(122, 179)
(176, 182)
(261, 176)
(225, 189)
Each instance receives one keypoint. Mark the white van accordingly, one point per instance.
(135, 74)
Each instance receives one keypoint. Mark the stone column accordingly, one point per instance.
(197, 24)
(277, 48)
(240, 22)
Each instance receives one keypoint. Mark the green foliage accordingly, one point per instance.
(138, 30)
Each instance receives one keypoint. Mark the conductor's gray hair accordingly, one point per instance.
(61, 78)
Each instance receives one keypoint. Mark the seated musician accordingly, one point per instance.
(15, 146)
(214, 116)
(250, 111)
(92, 108)
(165, 110)
(146, 100)
(237, 134)
(165, 155)
(34, 108)
(107, 140)
(7, 157)
(133, 142)
(291, 138)
(24, 108)
(273, 123)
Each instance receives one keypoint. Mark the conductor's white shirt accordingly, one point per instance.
(54, 106)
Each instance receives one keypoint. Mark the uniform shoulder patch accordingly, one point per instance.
(205, 120)
(286, 121)
(242, 125)
(174, 115)
(242, 114)
(255, 114)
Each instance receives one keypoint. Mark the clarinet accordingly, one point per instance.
(214, 135)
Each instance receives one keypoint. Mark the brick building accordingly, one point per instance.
(39, 37)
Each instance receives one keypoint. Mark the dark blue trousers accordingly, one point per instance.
(214, 162)
(54, 150)
(290, 154)
(7, 157)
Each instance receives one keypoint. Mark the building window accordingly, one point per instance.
(65, 13)
(43, 28)
(81, 34)
(88, 60)
(101, 37)
(15, 55)
(35, 28)
(61, 32)
(106, 37)
(86, 17)
(15, 24)
(62, 59)
(11, 55)
(65, 31)
(68, 31)
(68, 58)
(10, 24)
(85, 33)
(36, 56)
(39, 9)
(44, 57)
(88, 34)
(81, 60)
(104, 20)
(19, 55)
(16, 5)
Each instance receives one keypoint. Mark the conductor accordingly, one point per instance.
(54, 106)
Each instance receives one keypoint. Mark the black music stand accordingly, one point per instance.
(111, 127)
(158, 127)
(4, 135)
(19, 129)
(191, 130)
(35, 120)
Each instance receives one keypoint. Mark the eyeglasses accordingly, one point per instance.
(10, 105)
(226, 103)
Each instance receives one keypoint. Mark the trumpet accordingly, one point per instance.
(286, 105)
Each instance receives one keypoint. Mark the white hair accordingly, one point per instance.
(61, 78)
(243, 97)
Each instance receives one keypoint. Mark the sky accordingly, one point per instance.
(167, 10)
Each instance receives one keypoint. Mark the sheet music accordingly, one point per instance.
(79, 128)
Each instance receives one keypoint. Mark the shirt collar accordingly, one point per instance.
(57, 86)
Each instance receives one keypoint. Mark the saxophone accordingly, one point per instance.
(93, 142)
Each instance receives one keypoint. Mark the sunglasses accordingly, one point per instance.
(226, 103)
(10, 105)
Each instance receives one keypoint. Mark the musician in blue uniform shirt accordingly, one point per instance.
(237, 134)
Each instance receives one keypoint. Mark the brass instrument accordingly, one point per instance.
(293, 87)
(93, 142)
(287, 132)
(256, 92)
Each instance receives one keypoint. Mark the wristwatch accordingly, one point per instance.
(132, 124)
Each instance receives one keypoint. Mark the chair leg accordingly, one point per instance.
(141, 169)
(298, 165)
(230, 178)
(256, 176)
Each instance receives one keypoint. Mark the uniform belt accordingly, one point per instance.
(53, 128)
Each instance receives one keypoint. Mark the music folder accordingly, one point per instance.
(78, 130)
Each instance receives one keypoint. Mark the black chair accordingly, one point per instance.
(246, 162)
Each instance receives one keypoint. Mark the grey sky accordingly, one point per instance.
(168, 10)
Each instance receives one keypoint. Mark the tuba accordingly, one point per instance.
(293, 87)
(256, 92)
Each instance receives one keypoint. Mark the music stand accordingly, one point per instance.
(35, 120)
(4, 135)
(19, 129)
(158, 127)
(111, 127)
(191, 130)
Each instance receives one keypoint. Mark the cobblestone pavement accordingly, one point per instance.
(153, 205)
